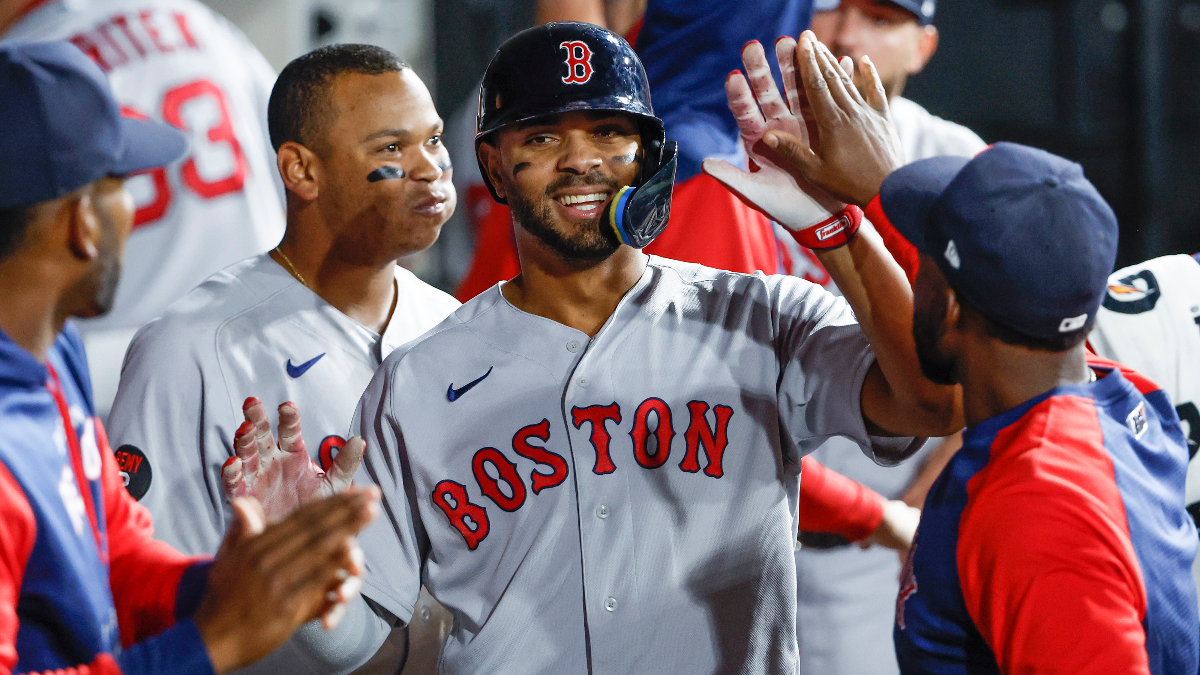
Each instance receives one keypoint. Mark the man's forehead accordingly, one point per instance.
(873, 5)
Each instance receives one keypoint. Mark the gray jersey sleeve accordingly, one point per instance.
(395, 542)
(160, 410)
(824, 358)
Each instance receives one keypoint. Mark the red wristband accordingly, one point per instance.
(837, 231)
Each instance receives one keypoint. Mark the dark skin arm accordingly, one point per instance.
(854, 148)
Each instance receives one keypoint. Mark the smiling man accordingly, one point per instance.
(368, 181)
(610, 482)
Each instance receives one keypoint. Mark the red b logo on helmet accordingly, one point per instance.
(579, 62)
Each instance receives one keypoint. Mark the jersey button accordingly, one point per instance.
(573, 346)
(602, 511)
(610, 604)
(583, 382)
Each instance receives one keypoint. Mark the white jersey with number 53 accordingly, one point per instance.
(178, 61)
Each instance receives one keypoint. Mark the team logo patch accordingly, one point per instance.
(579, 62)
(1136, 421)
(134, 470)
(1133, 294)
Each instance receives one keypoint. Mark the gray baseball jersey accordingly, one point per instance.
(619, 504)
(250, 330)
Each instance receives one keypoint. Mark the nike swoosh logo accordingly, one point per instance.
(297, 371)
(453, 394)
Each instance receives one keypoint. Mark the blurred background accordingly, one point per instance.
(1112, 84)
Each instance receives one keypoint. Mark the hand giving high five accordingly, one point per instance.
(784, 196)
(282, 477)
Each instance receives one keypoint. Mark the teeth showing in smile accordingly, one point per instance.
(584, 202)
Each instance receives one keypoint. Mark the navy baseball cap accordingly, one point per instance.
(1018, 232)
(924, 9)
(61, 128)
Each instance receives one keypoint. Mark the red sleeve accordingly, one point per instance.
(495, 257)
(1047, 569)
(18, 531)
(905, 253)
(144, 573)
(830, 502)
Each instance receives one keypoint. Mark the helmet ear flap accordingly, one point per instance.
(483, 172)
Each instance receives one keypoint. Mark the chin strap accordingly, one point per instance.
(638, 215)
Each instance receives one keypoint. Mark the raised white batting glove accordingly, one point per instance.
(281, 476)
(818, 220)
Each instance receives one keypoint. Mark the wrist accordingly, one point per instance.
(222, 646)
(833, 232)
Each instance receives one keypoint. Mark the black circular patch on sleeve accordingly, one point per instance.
(135, 470)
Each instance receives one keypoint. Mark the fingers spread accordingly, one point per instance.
(290, 439)
(835, 78)
(824, 109)
(256, 414)
(345, 464)
(743, 106)
(233, 479)
(762, 82)
(785, 55)
(872, 86)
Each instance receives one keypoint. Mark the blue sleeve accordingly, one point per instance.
(179, 650)
(688, 47)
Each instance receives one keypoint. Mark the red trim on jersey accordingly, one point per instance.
(830, 502)
(905, 253)
(1048, 571)
(18, 531)
(1144, 384)
(635, 30)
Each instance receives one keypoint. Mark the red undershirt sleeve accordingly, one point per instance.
(1052, 587)
(18, 531)
(905, 253)
(830, 502)
(145, 573)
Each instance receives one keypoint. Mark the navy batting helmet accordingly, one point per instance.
(562, 67)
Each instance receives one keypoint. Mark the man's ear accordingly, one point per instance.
(954, 309)
(300, 169)
(489, 157)
(927, 43)
(78, 214)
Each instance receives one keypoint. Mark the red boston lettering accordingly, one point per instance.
(491, 486)
(641, 432)
(542, 456)
(579, 62)
(451, 498)
(330, 447)
(699, 433)
(598, 415)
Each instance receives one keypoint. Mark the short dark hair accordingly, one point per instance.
(14, 222)
(300, 108)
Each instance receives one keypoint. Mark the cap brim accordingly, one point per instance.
(148, 144)
(909, 193)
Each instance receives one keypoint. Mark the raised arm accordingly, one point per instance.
(827, 147)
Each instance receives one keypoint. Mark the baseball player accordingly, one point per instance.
(595, 466)
(1150, 321)
(83, 586)
(308, 322)
(179, 62)
(1056, 539)
(846, 607)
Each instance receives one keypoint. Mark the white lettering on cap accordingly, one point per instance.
(1072, 323)
(952, 255)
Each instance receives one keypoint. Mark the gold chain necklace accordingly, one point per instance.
(291, 267)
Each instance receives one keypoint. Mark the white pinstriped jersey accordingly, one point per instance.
(619, 504)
